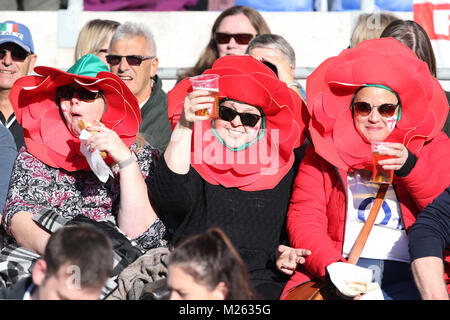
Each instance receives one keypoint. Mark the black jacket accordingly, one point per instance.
(17, 291)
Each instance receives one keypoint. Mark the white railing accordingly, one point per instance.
(300, 73)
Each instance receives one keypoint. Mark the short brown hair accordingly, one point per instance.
(85, 247)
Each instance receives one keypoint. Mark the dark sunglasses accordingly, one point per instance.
(132, 60)
(385, 110)
(67, 93)
(247, 119)
(16, 55)
(240, 38)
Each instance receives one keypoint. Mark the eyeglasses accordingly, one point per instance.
(132, 60)
(247, 119)
(16, 55)
(240, 38)
(67, 93)
(364, 109)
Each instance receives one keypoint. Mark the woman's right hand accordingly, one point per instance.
(195, 101)
(288, 258)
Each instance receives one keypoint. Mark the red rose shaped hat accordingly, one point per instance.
(386, 62)
(265, 162)
(46, 135)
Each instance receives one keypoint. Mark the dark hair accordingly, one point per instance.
(411, 34)
(211, 52)
(85, 247)
(210, 258)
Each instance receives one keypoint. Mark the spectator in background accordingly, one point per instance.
(76, 264)
(274, 49)
(428, 237)
(370, 26)
(8, 153)
(94, 38)
(133, 58)
(231, 33)
(17, 59)
(411, 34)
(207, 267)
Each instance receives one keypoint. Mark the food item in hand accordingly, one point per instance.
(82, 124)
(355, 288)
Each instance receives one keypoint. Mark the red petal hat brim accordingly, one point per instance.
(46, 136)
(246, 79)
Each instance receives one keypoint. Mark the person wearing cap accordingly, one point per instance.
(377, 91)
(234, 170)
(17, 59)
(132, 57)
(52, 180)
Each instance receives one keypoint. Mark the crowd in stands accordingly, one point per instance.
(112, 188)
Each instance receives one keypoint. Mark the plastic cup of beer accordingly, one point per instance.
(380, 175)
(210, 83)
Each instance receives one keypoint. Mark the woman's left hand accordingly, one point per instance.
(105, 139)
(397, 150)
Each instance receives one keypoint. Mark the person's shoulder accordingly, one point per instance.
(17, 291)
(6, 135)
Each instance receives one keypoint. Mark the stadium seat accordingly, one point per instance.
(397, 5)
(382, 5)
(279, 5)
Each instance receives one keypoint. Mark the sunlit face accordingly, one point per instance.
(374, 127)
(12, 68)
(233, 132)
(238, 23)
(184, 287)
(62, 286)
(138, 78)
(75, 109)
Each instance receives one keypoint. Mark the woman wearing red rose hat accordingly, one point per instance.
(378, 91)
(52, 179)
(235, 171)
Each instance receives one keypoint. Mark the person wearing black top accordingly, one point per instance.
(428, 237)
(215, 172)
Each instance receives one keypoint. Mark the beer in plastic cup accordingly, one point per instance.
(210, 83)
(379, 175)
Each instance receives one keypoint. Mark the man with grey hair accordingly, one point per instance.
(278, 54)
(132, 57)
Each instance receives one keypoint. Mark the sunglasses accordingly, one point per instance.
(67, 93)
(16, 55)
(385, 110)
(247, 119)
(240, 38)
(132, 60)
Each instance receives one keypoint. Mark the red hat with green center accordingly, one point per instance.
(36, 107)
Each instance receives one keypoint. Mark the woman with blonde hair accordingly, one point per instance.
(94, 38)
(370, 26)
